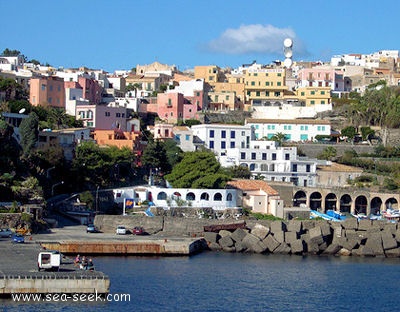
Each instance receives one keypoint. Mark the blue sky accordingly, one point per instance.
(119, 34)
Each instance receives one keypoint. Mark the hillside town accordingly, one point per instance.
(243, 115)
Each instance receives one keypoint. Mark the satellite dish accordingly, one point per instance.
(22, 110)
(288, 53)
(288, 43)
(287, 62)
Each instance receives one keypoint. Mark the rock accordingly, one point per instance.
(297, 247)
(397, 235)
(214, 246)
(388, 241)
(226, 241)
(253, 243)
(312, 247)
(364, 224)
(229, 249)
(344, 252)
(316, 235)
(350, 243)
(294, 226)
(283, 249)
(277, 226)
(374, 243)
(238, 235)
(308, 224)
(332, 249)
(363, 251)
(239, 247)
(325, 229)
(260, 231)
(271, 243)
(390, 228)
(223, 233)
(393, 253)
(290, 237)
(211, 237)
(280, 236)
(350, 224)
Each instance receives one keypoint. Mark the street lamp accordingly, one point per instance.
(54, 185)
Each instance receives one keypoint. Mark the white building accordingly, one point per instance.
(221, 137)
(273, 163)
(295, 130)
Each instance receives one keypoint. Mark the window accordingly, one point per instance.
(223, 144)
(279, 74)
(322, 92)
(312, 102)
(211, 133)
(308, 168)
(322, 102)
(243, 133)
(50, 88)
(312, 92)
(257, 93)
(264, 156)
(302, 93)
(253, 83)
(279, 83)
(169, 103)
(273, 156)
(223, 134)
(43, 87)
(117, 115)
(287, 156)
(50, 100)
(242, 155)
(277, 94)
(107, 114)
(304, 137)
(253, 155)
(197, 93)
(211, 144)
(232, 134)
(218, 197)
(266, 93)
(227, 98)
(187, 137)
(294, 168)
(267, 83)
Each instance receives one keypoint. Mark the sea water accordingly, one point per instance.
(217, 281)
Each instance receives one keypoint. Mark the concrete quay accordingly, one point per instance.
(19, 273)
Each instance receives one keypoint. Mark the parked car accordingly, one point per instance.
(49, 260)
(121, 230)
(138, 230)
(18, 238)
(91, 229)
(5, 233)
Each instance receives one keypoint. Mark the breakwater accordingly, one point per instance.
(347, 238)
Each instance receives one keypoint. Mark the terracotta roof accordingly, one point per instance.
(253, 185)
(338, 168)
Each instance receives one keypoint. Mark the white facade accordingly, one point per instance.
(273, 163)
(188, 88)
(218, 199)
(73, 97)
(289, 111)
(221, 137)
(295, 130)
(184, 138)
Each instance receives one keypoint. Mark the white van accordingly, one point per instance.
(49, 260)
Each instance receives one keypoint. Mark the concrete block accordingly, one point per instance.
(294, 226)
(297, 247)
(325, 229)
(283, 249)
(307, 224)
(375, 244)
(332, 249)
(280, 236)
(223, 233)
(397, 235)
(260, 231)
(238, 235)
(350, 224)
(390, 228)
(253, 243)
(271, 243)
(323, 246)
(211, 237)
(312, 247)
(239, 247)
(229, 249)
(393, 253)
(277, 226)
(380, 224)
(364, 224)
(350, 243)
(316, 235)
(388, 241)
(214, 246)
(226, 241)
(290, 237)
(363, 251)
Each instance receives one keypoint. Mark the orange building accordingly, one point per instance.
(47, 92)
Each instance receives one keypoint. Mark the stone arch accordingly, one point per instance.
(299, 198)
(391, 203)
(315, 201)
(244, 165)
(264, 167)
(345, 203)
(330, 201)
(253, 167)
(217, 197)
(229, 197)
(376, 205)
(361, 204)
(162, 196)
(271, 167)
(190, 196)
(205, 196)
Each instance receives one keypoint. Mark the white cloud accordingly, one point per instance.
(255, 38)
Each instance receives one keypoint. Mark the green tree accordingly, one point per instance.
(8, 52)
(133, 87)
(279, 137)
(28, 189)
(29, 133)
(198, 170)
(239, 172)
(329, 153)
(155, 156)
(349, 132)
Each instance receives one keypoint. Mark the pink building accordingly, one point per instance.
(47, 92)
(102, 117)
(170, 106)
(91, 90)
(320, 77)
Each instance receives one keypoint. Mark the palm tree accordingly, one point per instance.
(279, 137)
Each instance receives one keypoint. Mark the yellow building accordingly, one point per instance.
(314, 95)
(265, 85)
(210, 73)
